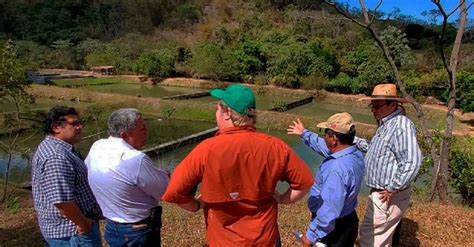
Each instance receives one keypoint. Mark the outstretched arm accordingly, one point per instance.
(311, 139)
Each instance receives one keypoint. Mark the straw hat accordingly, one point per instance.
(385, 92)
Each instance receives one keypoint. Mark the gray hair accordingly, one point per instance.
(123, 120)
(238, 119)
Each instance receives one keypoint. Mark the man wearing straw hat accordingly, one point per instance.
(393, 160)
(238, 170)
(333, 197)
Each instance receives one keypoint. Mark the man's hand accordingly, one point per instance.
(296, 128)
(306, 242)
(386, 196)
(85, 227)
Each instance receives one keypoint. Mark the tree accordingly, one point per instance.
(12, 88)
(439, 154)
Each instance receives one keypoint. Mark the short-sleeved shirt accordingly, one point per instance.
(59, 175)
(124, 180)
(239, 170)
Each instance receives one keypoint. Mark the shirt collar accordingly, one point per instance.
(60, 142)
(235, 130)
(390, 116)
(344, 152)
(119, 140)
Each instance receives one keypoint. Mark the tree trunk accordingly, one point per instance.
(6, 177)
(441, 177)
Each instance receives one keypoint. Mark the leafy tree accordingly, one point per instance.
(251, 58)
(156, 64)
(215, 62)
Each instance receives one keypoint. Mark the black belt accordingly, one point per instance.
(380, 190)
(349, 217)
(154, 220)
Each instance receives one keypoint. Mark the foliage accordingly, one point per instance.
(109, 56)
(158, 64)
(279, 105)
(397, 43)
(313, 81)
(461, 164)
(12, 73)
(12, 205)
(251, 58)
(343, 83)
(215, 62)
(367, 64)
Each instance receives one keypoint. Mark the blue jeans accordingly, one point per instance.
(118, 235)
(92, 239)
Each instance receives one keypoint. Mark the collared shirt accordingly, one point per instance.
(393, 157)
(338, 182)
(59, 175)
(239, 170)
(124, 180)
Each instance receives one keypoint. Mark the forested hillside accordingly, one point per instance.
(299, 44)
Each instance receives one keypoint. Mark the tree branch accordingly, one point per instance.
(443, 32)
(375, 12)
(343, 13)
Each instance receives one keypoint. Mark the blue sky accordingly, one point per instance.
(411, 7)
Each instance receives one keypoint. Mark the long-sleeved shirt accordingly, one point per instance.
(338, 182)
(124, 180)
(393, 157)
(239, 170)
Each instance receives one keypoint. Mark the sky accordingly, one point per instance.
(412, 7)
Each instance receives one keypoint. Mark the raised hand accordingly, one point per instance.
(296, 128)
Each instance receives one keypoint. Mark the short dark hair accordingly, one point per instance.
(57, 116)
(347, 139)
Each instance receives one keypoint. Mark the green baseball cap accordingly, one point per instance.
(239, 98)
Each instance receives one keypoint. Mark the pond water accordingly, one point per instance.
(142, 90)
(325, 110)
(263, 102)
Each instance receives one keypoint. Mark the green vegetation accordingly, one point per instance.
(91, 81)
(286, 43)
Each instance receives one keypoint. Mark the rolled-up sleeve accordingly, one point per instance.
(408, 156)
(315, 142)
(185, 179)
(152, 180)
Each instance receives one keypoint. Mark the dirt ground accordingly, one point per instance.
(425, 224)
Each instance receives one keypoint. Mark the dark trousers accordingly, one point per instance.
(344, 233)
(130, 235)
(146, 233)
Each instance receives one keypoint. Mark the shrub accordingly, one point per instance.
(156, 64)
(109, 56)
(314, 81)
(461, 164)
(31, 54)
(251, 58)
(215, 62)
(343, 84)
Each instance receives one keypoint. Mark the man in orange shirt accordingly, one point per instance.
(238, 170)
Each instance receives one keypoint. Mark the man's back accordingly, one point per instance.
(116, 175)
(239, 170)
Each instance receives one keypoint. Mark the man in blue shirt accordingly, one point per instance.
(333, 197)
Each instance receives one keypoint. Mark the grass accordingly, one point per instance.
(425, 224)
(92, 81)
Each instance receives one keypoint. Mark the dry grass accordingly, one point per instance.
(425, 224)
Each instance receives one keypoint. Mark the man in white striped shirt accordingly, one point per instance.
(393, 160)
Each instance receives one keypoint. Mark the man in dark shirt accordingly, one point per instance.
(67, 210)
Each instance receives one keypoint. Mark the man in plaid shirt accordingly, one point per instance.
(67, 210)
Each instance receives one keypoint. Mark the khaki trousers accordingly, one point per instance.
(381, 219)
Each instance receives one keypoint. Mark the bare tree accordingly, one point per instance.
(439, 154)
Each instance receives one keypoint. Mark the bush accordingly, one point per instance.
(156, 64)
(215, 62)
(109, 56)
(314, 81)
(251, 58)
(461, 164)
(343, 84)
